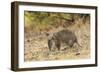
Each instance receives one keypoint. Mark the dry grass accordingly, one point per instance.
(36, 48)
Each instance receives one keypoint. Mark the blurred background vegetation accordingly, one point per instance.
(40, 21)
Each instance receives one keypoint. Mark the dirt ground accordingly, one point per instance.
(36, 48)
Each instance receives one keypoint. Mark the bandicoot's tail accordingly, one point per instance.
(78, 44)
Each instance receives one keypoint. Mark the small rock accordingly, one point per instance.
(77, 54)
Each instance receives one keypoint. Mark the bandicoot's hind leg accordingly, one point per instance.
(70, 43)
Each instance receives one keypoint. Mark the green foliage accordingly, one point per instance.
(42, 20)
